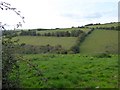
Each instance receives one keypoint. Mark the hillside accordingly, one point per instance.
(100, 41)
(89, 41)
(106, 25)
(62, 30)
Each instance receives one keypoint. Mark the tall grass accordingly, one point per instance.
(71, 71)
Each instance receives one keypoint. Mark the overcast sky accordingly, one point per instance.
(61, 13)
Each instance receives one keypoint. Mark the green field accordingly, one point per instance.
(61, 30)
(66, 42)
(105, 25)
(100, 41)
(70, 71)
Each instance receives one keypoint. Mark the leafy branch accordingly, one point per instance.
(7, 6)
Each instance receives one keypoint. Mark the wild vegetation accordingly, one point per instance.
(9, 57)
(70, 71)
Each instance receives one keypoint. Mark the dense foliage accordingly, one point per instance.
(9, 62)
(9, 47)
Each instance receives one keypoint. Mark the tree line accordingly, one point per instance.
(76, 48)
(108, 28)
(73, 33)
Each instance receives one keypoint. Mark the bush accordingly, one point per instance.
(9, 63)
(103, 55)
(75, 49)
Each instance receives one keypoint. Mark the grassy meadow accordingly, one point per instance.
(41, 40)
(70, 71)
(100, 41)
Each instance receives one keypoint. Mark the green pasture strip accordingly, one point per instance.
(66, 42)
(100, 41)
(105, 25)
(61, 30)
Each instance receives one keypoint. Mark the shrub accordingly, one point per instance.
(75, 49)
(103, 55)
